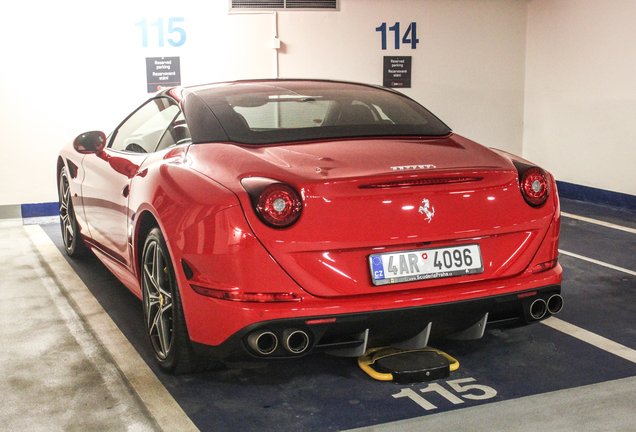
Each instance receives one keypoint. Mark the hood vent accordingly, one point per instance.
(421, 182)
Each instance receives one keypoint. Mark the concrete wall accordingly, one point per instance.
(580, 99)
(468, 67)
(70, 66)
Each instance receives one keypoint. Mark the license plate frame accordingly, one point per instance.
(390, 268)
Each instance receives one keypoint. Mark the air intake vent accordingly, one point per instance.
(282, 5)
(421, 182)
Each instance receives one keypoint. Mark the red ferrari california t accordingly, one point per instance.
(274, 218)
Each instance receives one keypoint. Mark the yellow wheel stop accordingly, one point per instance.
(407, 366)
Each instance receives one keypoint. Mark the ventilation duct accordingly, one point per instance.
(282, 5)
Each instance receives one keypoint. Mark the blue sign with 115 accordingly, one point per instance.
(176, 41)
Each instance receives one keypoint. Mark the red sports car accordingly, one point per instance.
(274, 218)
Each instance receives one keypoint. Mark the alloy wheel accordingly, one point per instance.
(158, 305)
(66, 212)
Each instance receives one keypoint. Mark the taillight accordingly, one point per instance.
(534, 184)
(276, 204)
(279, 205)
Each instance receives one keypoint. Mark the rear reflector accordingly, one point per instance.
(321, 321)
(544, 266)
(246, 296)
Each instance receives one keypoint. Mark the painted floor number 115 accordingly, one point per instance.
(467, 391)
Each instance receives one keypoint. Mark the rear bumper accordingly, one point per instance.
(227, 329)
(346, 332)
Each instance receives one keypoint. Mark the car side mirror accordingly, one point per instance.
(90, 142)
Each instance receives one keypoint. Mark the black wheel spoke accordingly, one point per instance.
(164, 332)
(151, 272)
(154, 303)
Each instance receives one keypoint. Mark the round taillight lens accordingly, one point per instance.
(279, 205)
(534, 186)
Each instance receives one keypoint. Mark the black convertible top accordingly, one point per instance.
(274, 111)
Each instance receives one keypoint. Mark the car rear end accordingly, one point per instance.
(372, 258)
(368, 241)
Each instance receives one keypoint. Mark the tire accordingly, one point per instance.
(73, 242)
(163, 312)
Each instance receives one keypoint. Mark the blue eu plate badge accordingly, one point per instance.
(377, 268)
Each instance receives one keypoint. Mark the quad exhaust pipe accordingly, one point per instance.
(555, 304)
(540, 307)
(295, 341)
(265, 342)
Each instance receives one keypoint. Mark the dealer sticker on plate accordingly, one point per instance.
(424, 264)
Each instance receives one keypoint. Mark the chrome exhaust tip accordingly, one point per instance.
(295, 341)
(555, 304)
(538, 309)
(263, 342)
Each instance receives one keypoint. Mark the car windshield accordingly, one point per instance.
(286, 111)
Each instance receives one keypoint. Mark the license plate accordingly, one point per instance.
(424, 264)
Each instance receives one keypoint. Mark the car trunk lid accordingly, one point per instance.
(368, 197)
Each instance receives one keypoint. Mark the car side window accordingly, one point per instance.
(141, 132)
(177, 133)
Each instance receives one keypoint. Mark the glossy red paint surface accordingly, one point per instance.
(193, 193)
(343, 223)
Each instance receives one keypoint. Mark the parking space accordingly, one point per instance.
(320, 392)
(600, 298)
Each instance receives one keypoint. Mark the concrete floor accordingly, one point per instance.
(57, 373)
(67, 366)
(609, 406)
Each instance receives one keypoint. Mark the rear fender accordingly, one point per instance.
(173, 197)
(221, 253)
(548, 253)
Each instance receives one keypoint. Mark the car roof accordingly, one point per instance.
(287, 83)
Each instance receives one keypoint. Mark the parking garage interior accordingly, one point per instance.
(552, 81)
